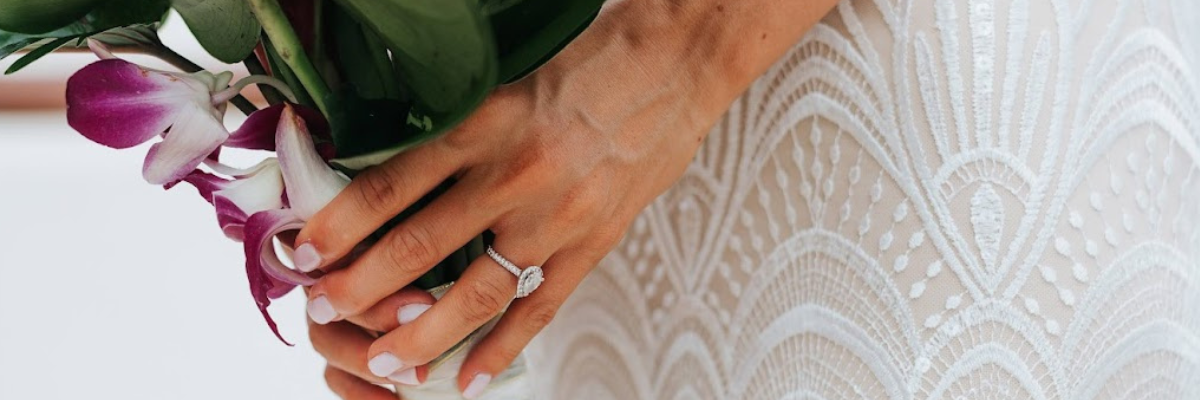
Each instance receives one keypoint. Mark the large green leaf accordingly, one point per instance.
(366, 124)
(443, 51)
(354, 55)
(41, 16)
(530, 32)
(226, 28)
(132, 35)
(107, 16)
(117, 13)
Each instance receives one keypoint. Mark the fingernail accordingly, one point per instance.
(405, 377)
(384, 365)
(475, 388)
(306, 258)
(410, 312)
(321, 311)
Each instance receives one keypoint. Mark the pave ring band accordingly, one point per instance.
(528, 279)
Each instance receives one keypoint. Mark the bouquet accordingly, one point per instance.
(347, 84)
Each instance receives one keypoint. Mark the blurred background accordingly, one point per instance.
(111, 288)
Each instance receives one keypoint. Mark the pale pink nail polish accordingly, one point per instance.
(405, 377)
(321, 311)
(410, 312)
(475, 388)
(306, 258)
(384, 365)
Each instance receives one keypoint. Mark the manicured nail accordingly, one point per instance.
(405, 377)
(384, 365)
(475, 388)
(321, 311)
(306, 258)
(410, 312)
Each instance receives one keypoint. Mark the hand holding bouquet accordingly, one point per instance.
(359, 80)
(548, 171)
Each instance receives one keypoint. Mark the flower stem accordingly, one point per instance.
(256, 68)
(260, 80)
(288, 45)
(171, 57)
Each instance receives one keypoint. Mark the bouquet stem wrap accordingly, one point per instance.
(442, 382)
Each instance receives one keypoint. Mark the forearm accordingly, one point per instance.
(726, 44)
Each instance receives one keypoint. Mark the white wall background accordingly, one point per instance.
(111, 288)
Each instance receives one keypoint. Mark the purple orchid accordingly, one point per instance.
(119, 104)
(259, 188)
(276, 196)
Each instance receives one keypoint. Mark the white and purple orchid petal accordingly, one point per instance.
(310, 182)
(258, 131)
(228, 170)
(120, 104)
(204, 182)
(279, 288)
(261, 229)
(261, 190)
(266, 273)
(195, 133)
(215, 156)
(231, 219)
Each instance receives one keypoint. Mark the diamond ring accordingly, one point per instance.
(528, 279)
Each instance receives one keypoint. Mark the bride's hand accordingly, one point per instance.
(344, 344)
(557, 166)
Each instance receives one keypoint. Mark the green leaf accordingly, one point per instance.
(226, 28)
(41, 16)
(130, 35)
(36, 54)
(11, 42)
(354, 55)
(107, 17)
(444, 53)
(530, 32)
(118, 13)
(362, 125)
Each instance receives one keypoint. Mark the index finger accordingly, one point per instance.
(374, 197)
(403, 255)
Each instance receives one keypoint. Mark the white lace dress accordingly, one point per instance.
(924, 199)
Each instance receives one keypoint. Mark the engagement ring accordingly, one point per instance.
(528, 279)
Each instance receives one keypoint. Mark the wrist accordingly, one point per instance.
(721, 46)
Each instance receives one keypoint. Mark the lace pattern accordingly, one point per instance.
(934, 199)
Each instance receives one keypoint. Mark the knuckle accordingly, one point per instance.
(483, 300)
(507, 352)
(410, 248)
(540, 314)
(463, 138)
(580, 203)
(377, 188)
(502, 106)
